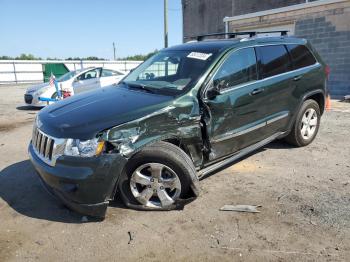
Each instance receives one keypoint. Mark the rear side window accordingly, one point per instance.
(107, 72)
(301, 56)
(239, 68)
(274, 60)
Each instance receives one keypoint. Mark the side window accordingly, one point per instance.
(108, 72)
(301, 56)
(89, 74)
(239, 68)
(274, 60)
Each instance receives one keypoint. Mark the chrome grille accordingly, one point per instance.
(43, 144)
(46, 147)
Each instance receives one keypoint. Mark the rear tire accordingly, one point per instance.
(156, 177)
(306, 124)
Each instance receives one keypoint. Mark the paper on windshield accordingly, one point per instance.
(200, 56)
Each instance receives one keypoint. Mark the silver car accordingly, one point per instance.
(73, 82)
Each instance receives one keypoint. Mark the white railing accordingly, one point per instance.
(31, 71)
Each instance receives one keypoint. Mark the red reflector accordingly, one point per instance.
(327, 71)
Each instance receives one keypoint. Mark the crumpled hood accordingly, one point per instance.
(35, 88)
(83, 116)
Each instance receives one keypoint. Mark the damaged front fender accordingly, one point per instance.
(178, 121)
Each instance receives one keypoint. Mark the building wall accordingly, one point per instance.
(205, 16)
(241, 7)
(327, 27)
(330, 35)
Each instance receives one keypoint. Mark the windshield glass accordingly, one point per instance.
(67, 76)
(170, 72)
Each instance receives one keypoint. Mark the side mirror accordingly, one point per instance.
(213, 91)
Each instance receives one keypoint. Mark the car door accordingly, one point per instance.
(306, 72)
(235, 119)
(278, 100)
(87, 81)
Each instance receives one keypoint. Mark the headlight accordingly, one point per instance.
(83, 148)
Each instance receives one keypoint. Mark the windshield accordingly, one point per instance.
(67, 76)
(170, 72)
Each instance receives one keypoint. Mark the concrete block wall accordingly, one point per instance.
(31, 71)
(327, 27)
(205, 16)
(333, 44)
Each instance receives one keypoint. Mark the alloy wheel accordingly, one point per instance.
(155, 185)
(309, 124)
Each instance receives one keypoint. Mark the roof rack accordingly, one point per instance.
(233, 35)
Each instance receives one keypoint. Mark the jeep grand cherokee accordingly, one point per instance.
(182, 114)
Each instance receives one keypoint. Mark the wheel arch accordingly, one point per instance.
(194, 181)
(318, 96)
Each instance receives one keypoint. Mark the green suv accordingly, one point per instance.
(183, 114)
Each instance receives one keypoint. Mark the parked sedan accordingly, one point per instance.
(73, 82)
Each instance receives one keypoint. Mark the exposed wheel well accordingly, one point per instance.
(177, 142)
(319, 98)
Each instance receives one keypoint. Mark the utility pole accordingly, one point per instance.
(114, 51)
(165, 23)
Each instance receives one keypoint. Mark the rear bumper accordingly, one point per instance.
(85, 185)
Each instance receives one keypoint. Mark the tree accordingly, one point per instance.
(27, 57)
(5, 57)
(139, 57)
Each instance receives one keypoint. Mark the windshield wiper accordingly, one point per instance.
(139, 86)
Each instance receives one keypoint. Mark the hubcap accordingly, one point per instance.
(309, 124)
(155, 185)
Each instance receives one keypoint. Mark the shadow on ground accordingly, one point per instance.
(27, 108)
(278, 144)
(22, 190)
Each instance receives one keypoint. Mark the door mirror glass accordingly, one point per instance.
(213, 91)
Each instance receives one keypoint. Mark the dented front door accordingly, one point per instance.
(235, 118)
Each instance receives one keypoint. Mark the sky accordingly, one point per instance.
(81, 28)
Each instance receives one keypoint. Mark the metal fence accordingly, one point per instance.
(31, 71)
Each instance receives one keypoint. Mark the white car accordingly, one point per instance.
(74, 82)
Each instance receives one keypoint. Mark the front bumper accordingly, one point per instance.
(85, 185)
(33, 100)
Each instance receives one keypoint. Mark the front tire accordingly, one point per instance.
(306, 125)
(156, 177)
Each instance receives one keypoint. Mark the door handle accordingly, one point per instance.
(257, 91)
(297, 78)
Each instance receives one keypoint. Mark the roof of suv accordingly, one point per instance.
(215, 46)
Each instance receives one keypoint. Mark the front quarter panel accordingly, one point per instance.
(179, 120)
